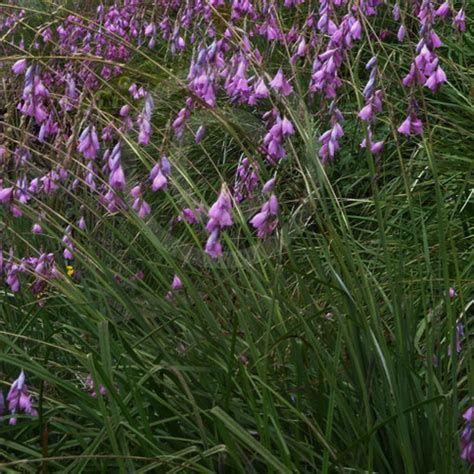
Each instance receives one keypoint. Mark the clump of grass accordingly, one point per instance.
(328, 347)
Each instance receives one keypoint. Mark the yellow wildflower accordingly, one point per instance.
(70, 270)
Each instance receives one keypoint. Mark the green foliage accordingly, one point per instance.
(311, 352)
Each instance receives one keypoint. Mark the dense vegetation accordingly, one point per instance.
(235, 236)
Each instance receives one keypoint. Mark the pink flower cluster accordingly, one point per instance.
(19, 399)
(231, 63)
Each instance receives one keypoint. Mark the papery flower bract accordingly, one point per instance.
(330, 138)
(124, 111)
(435, 80)
(36, 228)
(91, 387)
(273, 140)
(145, 130)
(213, 246)
(200, 134)
(459, 21)
(265, 221)
(176, 284)
(443, 10)
(19, 400)
(405, 127)
(219, 213)
(268, 186)
(89, 143)
(189, 215)
(401, 33)
(139, 204)
(69, 245)
(117, 175)
(377, 147)
(6, 195)
(117, 178)
(366, 113)
(219, 217)
(260, 90)
(15, 211)
(180, 121)
(396, 12)
(159, 174)
(246, 179)
(20, 66)
(287, 127)
(280, 84)
(411, 126)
